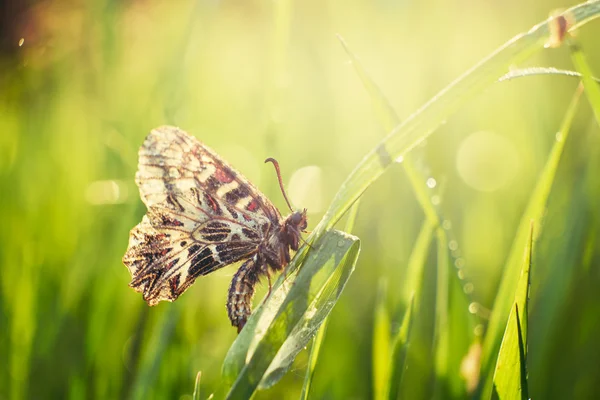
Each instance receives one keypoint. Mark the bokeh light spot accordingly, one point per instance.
(306, 188)
(487, 161)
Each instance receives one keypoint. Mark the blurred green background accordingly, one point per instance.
(258, 79)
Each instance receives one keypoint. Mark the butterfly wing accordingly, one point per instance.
(182, 239)
(202, 215)
(172, 161)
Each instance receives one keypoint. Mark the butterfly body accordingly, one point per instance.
(203, 215)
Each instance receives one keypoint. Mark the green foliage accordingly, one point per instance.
(89, 82)
(510, 375)
(289, 318)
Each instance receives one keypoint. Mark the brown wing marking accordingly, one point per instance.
(171, 161)
(163, 265)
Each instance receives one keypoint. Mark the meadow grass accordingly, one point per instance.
(412, 309)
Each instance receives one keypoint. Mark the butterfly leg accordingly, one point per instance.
(270, 285)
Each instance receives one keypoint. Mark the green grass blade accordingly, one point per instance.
(312, 359)
(423, 122)
(540, 71)
(441, 335)
(582, 66)
(320, 336)
(412, 366)
(446, 278)
(196, 394)
(381, 344)
(510, 378)
(155, 350)
(510, 375)
(289, 318)
(534, 211)
(399, 349)
(413, 284)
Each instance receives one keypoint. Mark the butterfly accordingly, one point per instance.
(203, 215)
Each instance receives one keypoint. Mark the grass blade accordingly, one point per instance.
(312, 359)
(289, 318)
(400, 346)
(320, 336)
(510, 376)
(423, 122)
(535, 211)
(381, 344)
(592, 90)
(196, 394)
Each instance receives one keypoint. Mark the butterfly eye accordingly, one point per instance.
(296, 218)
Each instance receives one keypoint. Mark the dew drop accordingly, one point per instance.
(447, 225)
(453, 245)
(478, 330)
(399, 159)
(436, 200)
(431, 183)
(473, 308)
(559, 136)
(468, 289)
(21, 41)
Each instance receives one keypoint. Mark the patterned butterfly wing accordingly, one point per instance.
(181, 239)
(193, 225)
(171, 161)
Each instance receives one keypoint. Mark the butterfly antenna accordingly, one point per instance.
(276, 165)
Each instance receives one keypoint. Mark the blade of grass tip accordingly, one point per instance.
(196, 394)
(274, 337)
(510, 374)
(381, 344)
(399, 349)
(535, 211)
(592, 90)
(510, 377)
(320, 336)
(423, 122)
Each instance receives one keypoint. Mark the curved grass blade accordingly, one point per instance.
(537, 71)
(446, 357)
(423, 122)
(399, 349)
(592, 90)
(535, 211)
(510, 376)
(289, 318)
(320, 336)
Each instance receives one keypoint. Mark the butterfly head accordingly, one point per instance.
(294, 225)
